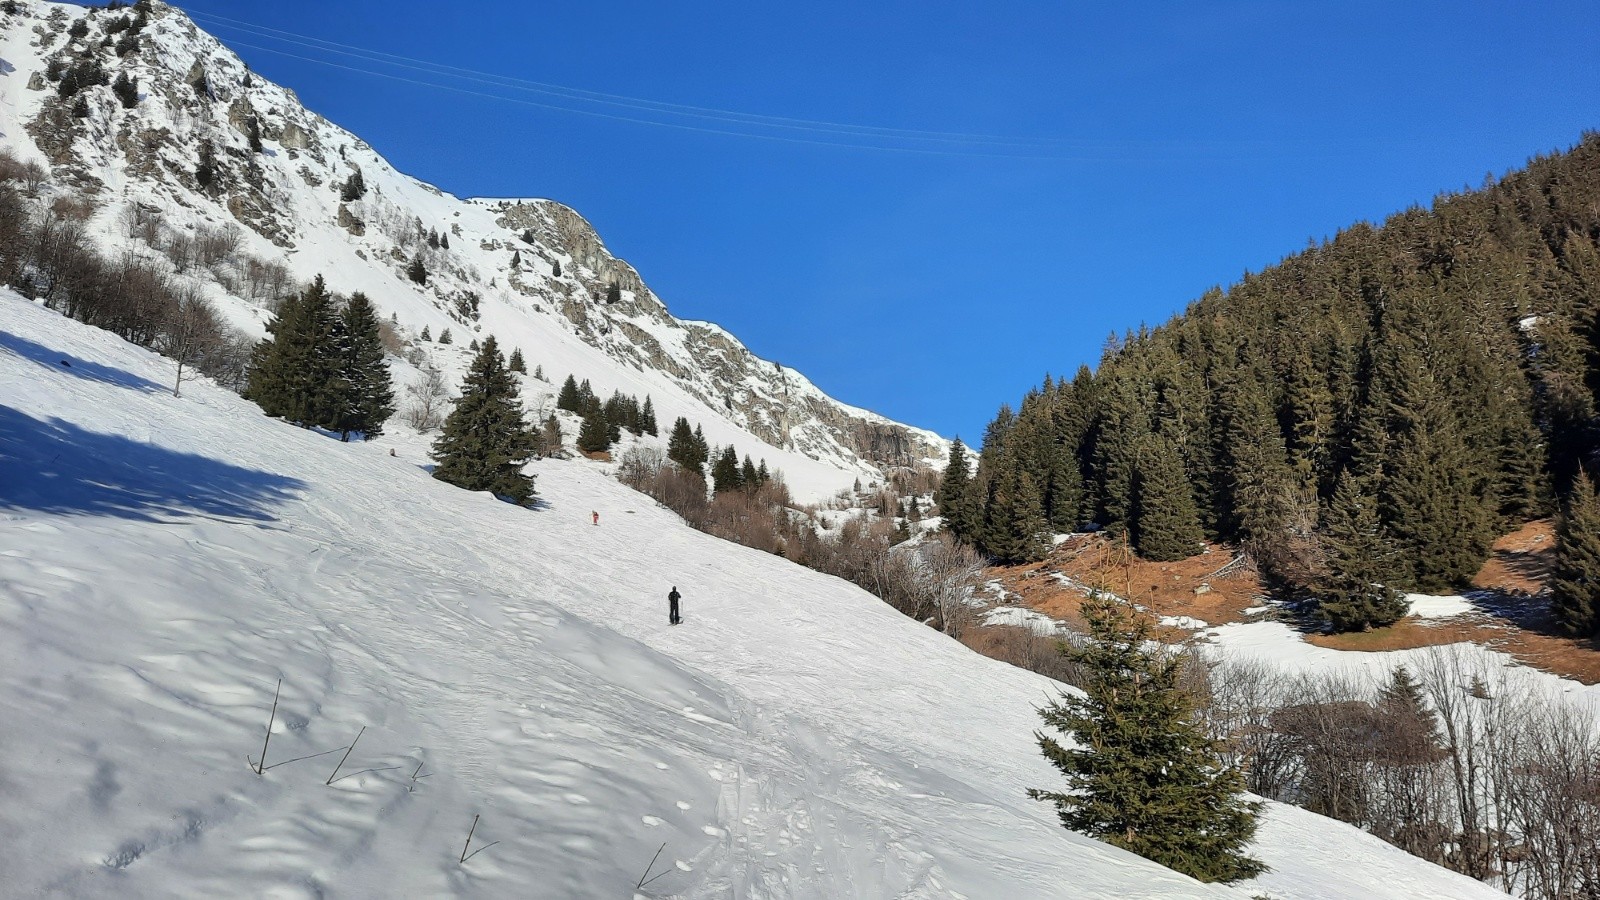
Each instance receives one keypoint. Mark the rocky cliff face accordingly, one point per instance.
(210, 147)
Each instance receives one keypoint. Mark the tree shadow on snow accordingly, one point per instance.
(55, 466)
(62, 362)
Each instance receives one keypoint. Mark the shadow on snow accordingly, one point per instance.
(55, 466)
(57, 361)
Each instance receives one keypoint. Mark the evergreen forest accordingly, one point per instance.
(1363, 417)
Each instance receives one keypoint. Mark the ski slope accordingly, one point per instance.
(165, 561)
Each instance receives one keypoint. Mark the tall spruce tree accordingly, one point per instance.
(1141, 772)
(954, 497)
(594, 436)
(1166, 523)
(1575, 578)
(293, 374)
(569, 399)
(1350, 597)
(485, 442)
(1014, 528)
(725, 474)
(647, 417)
(681, 446)
(516, 363)
(366, 393)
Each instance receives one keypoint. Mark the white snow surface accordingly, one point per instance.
(1429, 606)
(560, 322)
(164, 561)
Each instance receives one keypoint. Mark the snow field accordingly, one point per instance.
(163, 562)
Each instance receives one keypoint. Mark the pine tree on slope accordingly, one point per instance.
(292, 372)
(1350, 598)
(1141, 772)
(1575, 581)
(1166, 521)
(725, 474)
(954, 496)
(594, 436)
(367, 395)
(485, 442)
(568, 398)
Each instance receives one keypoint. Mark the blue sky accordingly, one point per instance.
(1133, 154)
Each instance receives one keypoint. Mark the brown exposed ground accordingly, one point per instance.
(1510, 616)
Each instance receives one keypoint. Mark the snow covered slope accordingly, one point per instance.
(164, 562)
(533, 273)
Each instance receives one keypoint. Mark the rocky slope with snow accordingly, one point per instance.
(531, 272)
(165, 561)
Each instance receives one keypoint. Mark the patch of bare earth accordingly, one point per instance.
(1511, 615)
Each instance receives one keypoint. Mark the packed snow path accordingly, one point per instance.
(164, 561)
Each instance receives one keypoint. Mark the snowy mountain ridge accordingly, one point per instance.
(533, 273)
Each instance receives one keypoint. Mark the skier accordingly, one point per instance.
(596, 514)
(672, 607)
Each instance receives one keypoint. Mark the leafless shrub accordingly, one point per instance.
(428, 396)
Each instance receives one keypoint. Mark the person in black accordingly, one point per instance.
(672, 607)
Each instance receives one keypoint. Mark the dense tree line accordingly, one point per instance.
(323, 365)
(604, 421)
(1362, 417)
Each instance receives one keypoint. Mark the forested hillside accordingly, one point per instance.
(1362, 417)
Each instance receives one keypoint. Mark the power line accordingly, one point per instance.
(1050, 147)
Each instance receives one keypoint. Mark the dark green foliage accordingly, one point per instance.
(955, 498)
(555, 268)
(749, 478)
(516, 259)
(1166, 524)
(725, 472)
(78, 29)
(433, 238)
(293, 374)
(126, 90)
(527, 235)
(1143, 775)
(688, 449)
(253, 134)
(425, 336)
(473, 346)
(367, 394)
(517, 364)
(569, 399)
(613, 293)
(647, 417)
(417, 272)
(355, 187)
(595, 435)
(128, 43)
(1447, 361)
(445, 337)
(1575, 579)
(80, 107)
(1350, 597)
(485, 442)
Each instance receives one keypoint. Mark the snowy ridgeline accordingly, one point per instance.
(533, 273)
(163, 562)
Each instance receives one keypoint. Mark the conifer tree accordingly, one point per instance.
(681, 446)
(613, 293)
(1166, 523)
(594, 436)
(955, 498)
(292, 373)
(366, 398)
(762, 475)
(126, 90)
(517, 364)
(253, 134)
(485, 442)
(702, 450)
(417, 272)
(205, 172)
(355, 187)
(425, 336)
(1351, 598)
(1575, 578)
(725, 473)
(555, 268)
(749, 479)
(647, 417)
(1141, 772)
(1014, 528)
(568, 399)
(445, 337)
